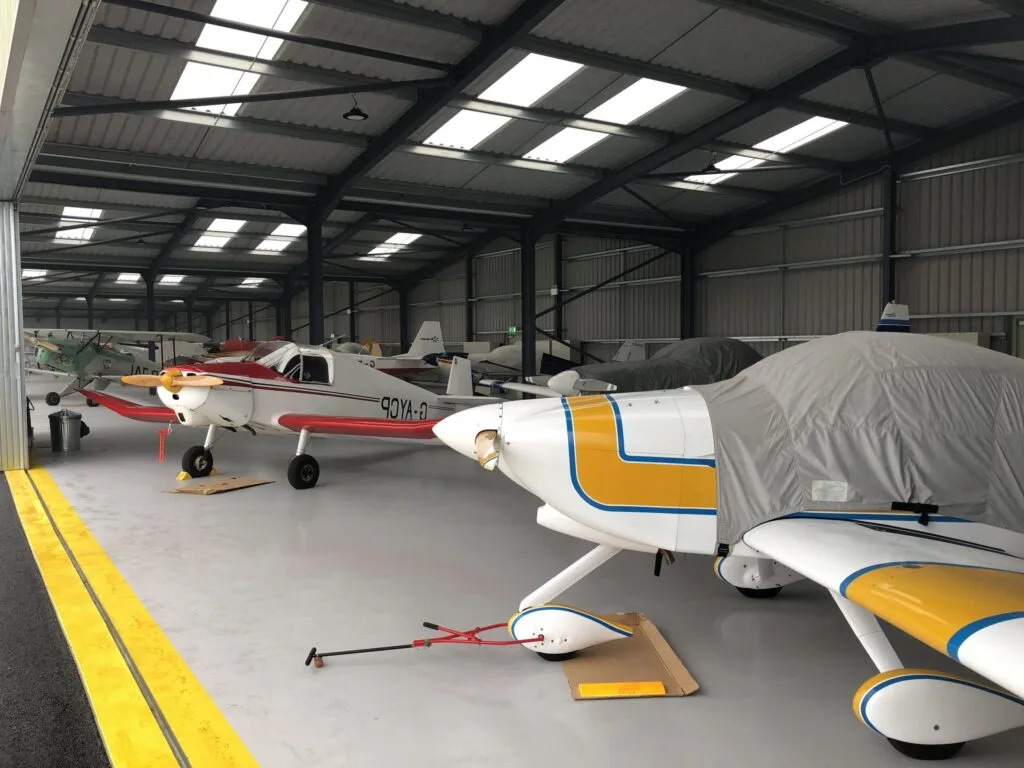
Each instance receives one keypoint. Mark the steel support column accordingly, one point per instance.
(687, 294)
(558, 276)
(315, 291)
(403, 317)
(352, 311)
(150, 278)
(469, 294)
(190, 316)
(252, 323)
(13, 424)
(890, 212)
(528, 299)
(90, 321)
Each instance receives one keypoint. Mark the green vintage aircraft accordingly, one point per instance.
(96, 358)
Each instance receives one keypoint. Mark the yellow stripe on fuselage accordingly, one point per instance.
(609, 480)
(935, 602)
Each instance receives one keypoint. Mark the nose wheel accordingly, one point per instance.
(303, 472)
(52, 398)
(197, 461)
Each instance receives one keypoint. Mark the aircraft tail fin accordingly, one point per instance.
(460, 377)
(428, 340)
(895, 319)
(630, 350)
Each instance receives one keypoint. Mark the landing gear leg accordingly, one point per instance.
(303, 470)
(565, 631)
(198, 460)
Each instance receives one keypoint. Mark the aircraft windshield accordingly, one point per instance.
(265, 349)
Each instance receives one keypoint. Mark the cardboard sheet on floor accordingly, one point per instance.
(220, 485)
(640, 666)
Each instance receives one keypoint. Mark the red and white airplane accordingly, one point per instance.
(286, 388)
(729, 470)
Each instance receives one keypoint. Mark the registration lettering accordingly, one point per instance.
(403, 408)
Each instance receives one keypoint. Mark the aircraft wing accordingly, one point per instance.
(123, 337)
(340, 425)
(515, 386)
(964, 600)
(157, 414)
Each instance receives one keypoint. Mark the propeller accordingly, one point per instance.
(487, 449)
(36, 341)
(171, 380)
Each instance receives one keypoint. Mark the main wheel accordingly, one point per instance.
(759, 594)
(556, 656)
(927, 751)
(197, 461)
(52, 398)
(91, 403)
(303, 472)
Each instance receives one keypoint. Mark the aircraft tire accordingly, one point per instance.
(52, 398)
(303, 472)
(197, 461)
(927, 751)
(759, 594)
(556, 656)
(91, 403)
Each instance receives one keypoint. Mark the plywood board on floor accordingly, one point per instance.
(640, 666)
(221, 485)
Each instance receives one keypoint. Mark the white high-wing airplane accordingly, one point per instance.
(286, 388)
(428, 341)
(730, 470)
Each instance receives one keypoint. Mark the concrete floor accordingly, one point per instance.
(397, 533)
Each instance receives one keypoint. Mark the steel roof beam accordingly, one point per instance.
(94, 263)
(315, 42)
(497, 41)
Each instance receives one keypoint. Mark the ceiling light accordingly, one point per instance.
(171, 279)
(129, 277)
(786, 141)
(251, 282)
(31, 274)
(118, 299)
(355, 114)
(177, 301)
(74, 215)
(629, 105)
(525, 84)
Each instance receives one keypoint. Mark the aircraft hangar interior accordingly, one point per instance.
(511, 382)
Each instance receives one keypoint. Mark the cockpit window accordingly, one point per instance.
(264, 349)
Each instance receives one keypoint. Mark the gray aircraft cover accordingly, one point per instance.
(691, 361)
(860, 420)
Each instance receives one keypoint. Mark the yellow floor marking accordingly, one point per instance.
(126, 723)
(204, 734)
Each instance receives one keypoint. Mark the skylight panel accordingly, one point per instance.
(74, 215)
(171, 279)
(80, 298)
(129, 277)
(251, 282)
(393, 244)
(522, 86)
(31, 274)
(177, 301)
(118, 299)
(227, 226)
(786, 141)
(275, 241)
(625, 107)
(204, 80)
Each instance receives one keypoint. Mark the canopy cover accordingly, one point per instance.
(860, 420)
(680, 364)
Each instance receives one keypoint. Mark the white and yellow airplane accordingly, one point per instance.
(884, 467)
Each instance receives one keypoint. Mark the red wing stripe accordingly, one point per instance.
(336, 425)
(154, 413)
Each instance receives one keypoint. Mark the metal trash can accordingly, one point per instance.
(65, 431)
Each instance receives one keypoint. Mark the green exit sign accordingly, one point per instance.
(511, 329)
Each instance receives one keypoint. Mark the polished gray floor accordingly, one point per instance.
(397, 533)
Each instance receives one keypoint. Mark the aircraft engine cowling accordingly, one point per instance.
(551, 518)
(223, 406)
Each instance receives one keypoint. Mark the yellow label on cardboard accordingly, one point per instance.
(610, 690)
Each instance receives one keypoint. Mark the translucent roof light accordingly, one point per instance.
(627, 106)
(117, 299)
(251, 282)
(203, 80)
(790, 139)
(522, 86)
(177, 301)
(171, 279)
(29, 274)
(129, 277)
(276, 242)
(393, 244)
(228, 226)
(72, 215)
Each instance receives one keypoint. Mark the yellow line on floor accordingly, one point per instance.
(205, 736)
(126, 723)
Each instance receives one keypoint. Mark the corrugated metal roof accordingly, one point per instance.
(154, 23)
(527, 182)
(622, 27)
(122, 73)
(941, 100)
(917, 13)
(273, 151)
(851, 90)
(421, 169)
(72, 194)
(135, 133)
(697, 205)
(490, 12)
(745, 50)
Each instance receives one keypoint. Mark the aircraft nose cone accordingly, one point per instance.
(564, 383)
(459, 430)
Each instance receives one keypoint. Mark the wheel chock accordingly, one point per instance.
(183, 475)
